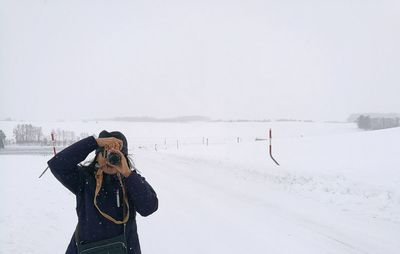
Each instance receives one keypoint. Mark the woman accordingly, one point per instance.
(108, 192)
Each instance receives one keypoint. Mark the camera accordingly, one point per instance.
(113, 158)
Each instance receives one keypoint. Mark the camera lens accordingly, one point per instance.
(114, 158)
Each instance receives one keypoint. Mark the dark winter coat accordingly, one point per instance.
(81, 181)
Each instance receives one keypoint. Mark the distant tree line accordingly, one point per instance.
(28, 134)
(376, 123)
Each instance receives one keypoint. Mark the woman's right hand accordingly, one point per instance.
(109, 143)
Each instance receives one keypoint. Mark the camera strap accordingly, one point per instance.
(99, 182)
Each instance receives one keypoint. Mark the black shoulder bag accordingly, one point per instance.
(114, 245)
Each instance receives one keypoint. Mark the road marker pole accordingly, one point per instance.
(53, 141)
(270, 147)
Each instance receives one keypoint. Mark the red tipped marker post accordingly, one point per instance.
(270, 147)
(53, 141)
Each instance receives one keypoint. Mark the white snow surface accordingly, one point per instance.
(337, 189)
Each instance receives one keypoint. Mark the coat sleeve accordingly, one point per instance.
(141, 194)
(64, 165)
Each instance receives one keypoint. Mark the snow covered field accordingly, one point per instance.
(337, 189)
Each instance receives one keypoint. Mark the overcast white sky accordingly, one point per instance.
(224, 59)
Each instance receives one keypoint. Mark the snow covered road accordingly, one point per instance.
(231, 198)
(202, 208)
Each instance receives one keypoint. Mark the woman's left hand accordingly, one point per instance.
(123, 167)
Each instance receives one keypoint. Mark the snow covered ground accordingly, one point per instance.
(337, 189)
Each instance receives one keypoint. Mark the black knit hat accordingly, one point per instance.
(118, 135)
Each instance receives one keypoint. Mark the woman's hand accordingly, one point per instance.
(123, 167)
(109, 143)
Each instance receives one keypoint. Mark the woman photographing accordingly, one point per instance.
(108, 192)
